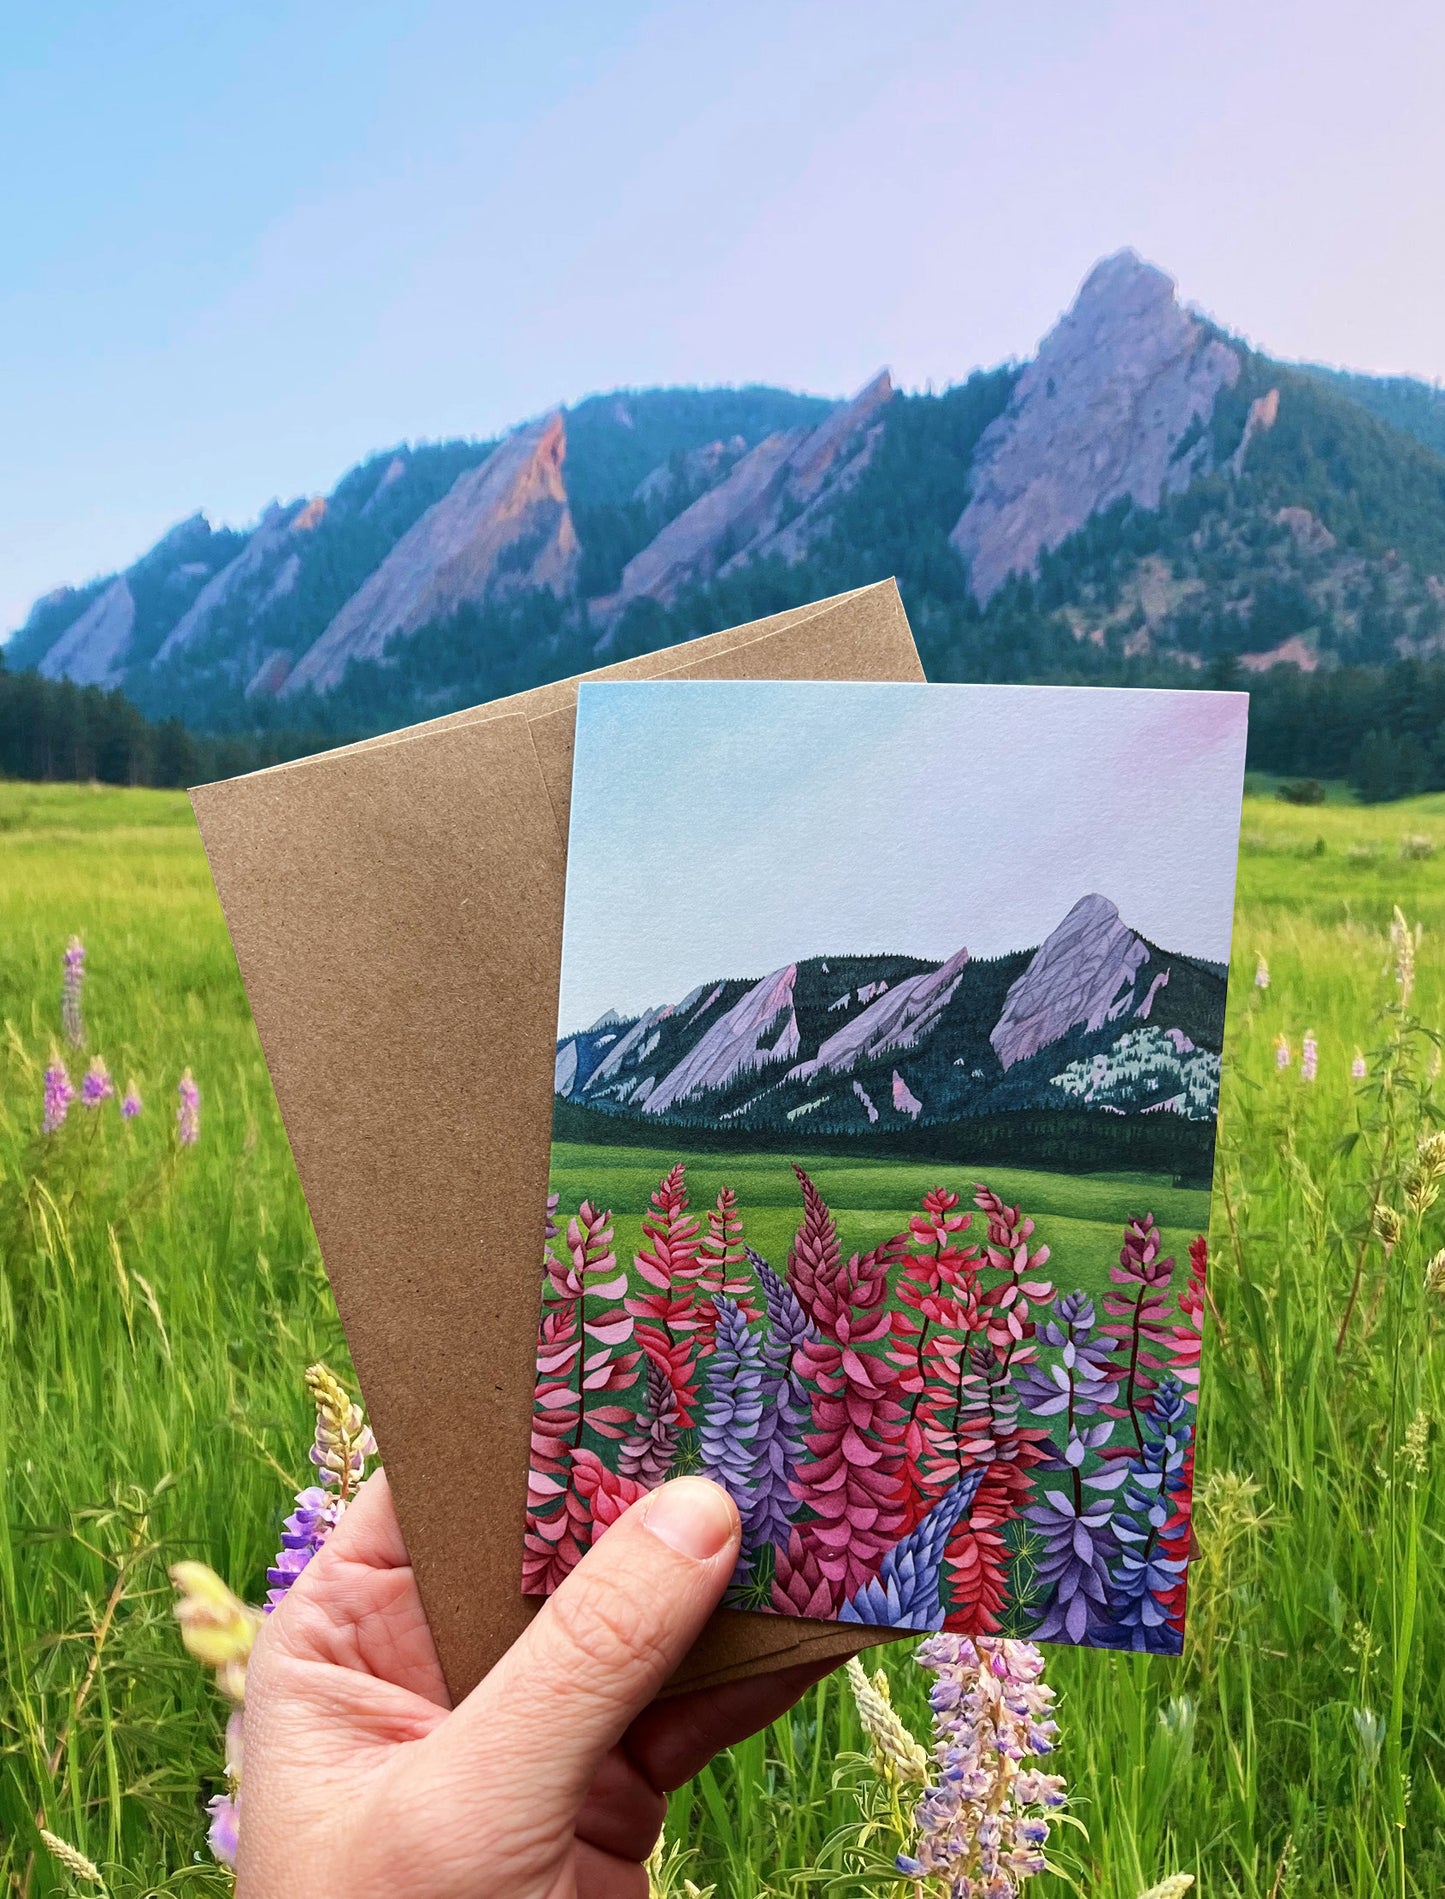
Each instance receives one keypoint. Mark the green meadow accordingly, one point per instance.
(158, 1305)
(1079, 1217)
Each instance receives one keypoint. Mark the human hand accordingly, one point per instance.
(549, 1781)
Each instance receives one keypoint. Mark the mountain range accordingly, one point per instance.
(1095, 1020)
(1147, 490)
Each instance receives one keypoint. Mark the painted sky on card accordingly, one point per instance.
(248, 245)
(727, 828)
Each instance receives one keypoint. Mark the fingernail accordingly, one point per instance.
(693, 1516)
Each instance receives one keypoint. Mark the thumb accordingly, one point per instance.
(604, 1644)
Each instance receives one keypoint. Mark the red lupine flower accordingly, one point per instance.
(1140, 1330)
(1007, 1304)
(577, 1362)
(722, 1269)
(668, 1316)
(852, 1476)
(799, 1585)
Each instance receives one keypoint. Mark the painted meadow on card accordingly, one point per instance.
(887, 1071)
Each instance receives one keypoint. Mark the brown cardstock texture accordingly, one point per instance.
(396, 910)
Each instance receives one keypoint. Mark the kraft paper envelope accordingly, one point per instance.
(396, 910)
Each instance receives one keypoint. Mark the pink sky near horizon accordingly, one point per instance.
(255, 246)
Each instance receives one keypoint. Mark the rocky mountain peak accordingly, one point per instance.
(93, 649)
(1083, 973)
(1100, 414)
(503, 526)
(770, 503)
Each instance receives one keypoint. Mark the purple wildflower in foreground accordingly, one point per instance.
(983, 1825)
(188, 1114)
(130, 1104)
(58, 1095)
(96, 1086)
(223, 1836)
(339, 1451)
(71, 1019)
(1309, 1061)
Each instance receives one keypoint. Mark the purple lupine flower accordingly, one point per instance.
(302, 1534)
(1145, 1572)
(905, 1594)
(1309, 1061)
(1358, 1070)
(96, 1086)
(130, 1103)
(188, 1113)
(223, 1836)
(340, 1450)
(73, 981)
(58, 1095)
(733, 1405)
(1281, 1050)
(982, 1826)
(647, 1452)
(779, 1443)
(1075, 1530)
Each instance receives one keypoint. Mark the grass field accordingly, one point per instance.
(1080, 1217)
(158, 1303)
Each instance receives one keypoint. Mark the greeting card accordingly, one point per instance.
(887, 1072)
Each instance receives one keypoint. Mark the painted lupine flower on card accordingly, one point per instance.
(924, 1434)
(899, 1241)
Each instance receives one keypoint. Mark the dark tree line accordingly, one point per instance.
(53, 730)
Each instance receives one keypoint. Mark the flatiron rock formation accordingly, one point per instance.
(1082, 975)
(1099, 415)
(501, 528)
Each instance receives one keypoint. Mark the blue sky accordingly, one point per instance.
(729, 828)
(241, 247)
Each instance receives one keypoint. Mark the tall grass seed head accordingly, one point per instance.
(1174, 1887)
(1387, 1227)
(1422, 1183)
(1403, 941)
(70, 1857)
(1435, 1275)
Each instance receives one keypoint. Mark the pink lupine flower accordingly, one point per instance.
(1281, 1051)
(97, 1085)
(1358, 1070)
(71, 1019)
(130, 1102)
(1261, 974)
(188, 1114)
(1309, 1061)
(58, 1094)
(223, 1836)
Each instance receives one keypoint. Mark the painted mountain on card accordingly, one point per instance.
(1146, 489)
(1094, 1020)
